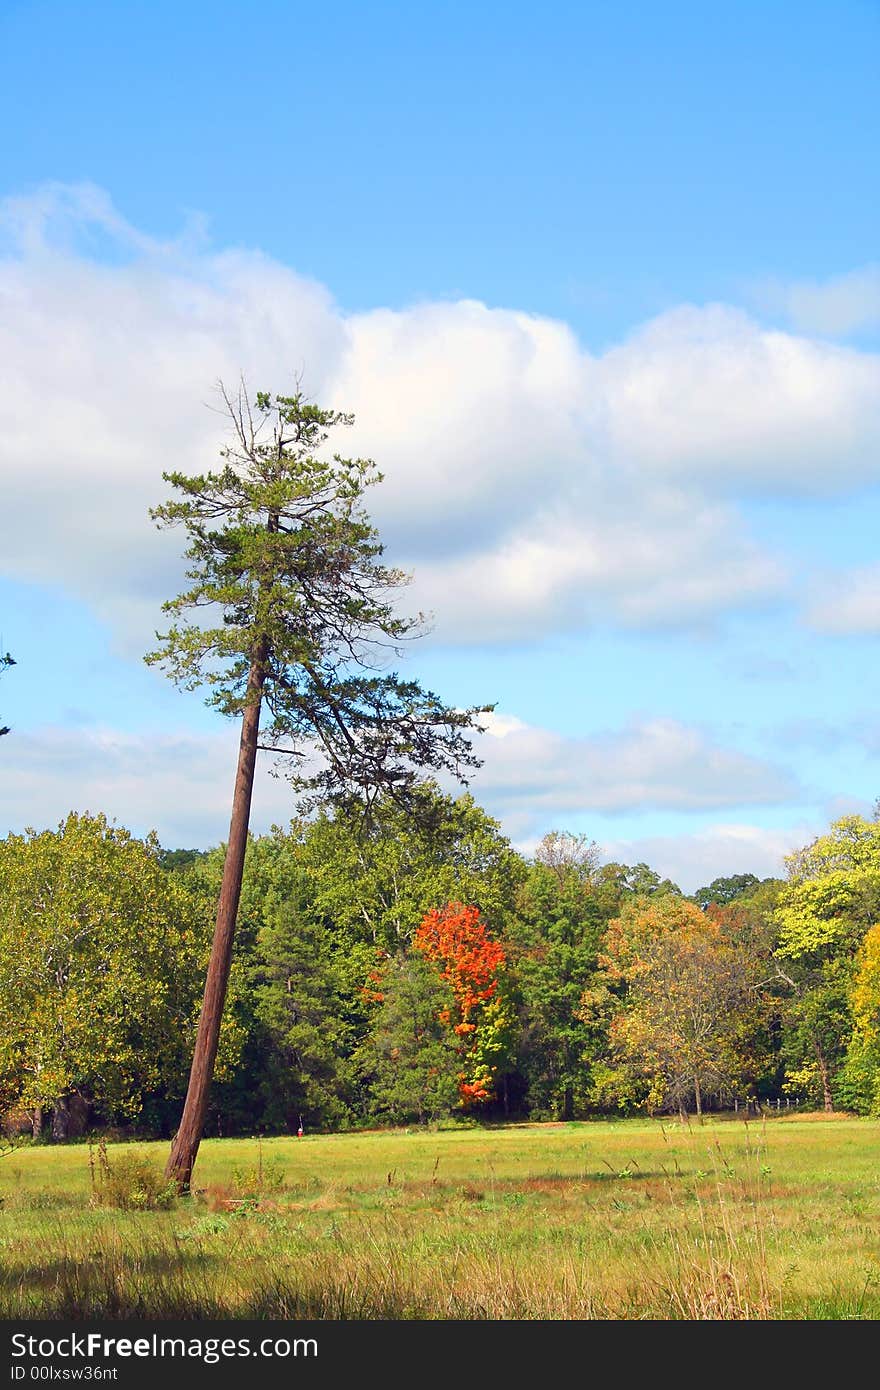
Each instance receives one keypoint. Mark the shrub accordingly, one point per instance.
(260, 1181)
(129, 1183)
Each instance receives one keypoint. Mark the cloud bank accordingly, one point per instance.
(850, 603)
(693, 861)
(530, 485)
(180, 784)
(837, 307)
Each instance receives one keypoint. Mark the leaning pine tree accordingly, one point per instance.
(295, 620)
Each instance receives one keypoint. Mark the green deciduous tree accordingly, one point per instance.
(177, 859)
(825, 909)
(298, 619)
(101, 956)
(832, 894)
(637, 880)
(722, 891)
(376, 883)
(562, 910)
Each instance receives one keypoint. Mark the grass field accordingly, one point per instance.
(633, 1219)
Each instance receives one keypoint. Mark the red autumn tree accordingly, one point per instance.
(457, 940)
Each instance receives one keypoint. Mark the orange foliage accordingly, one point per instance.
(372, 990)
(456, 939)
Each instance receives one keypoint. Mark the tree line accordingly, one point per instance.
(419, 968)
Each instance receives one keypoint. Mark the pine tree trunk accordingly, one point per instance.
(186, 1142)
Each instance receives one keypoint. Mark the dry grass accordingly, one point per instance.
(604, 1220)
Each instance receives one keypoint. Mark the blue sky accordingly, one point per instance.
(601, 284)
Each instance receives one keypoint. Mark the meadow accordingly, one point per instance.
(774, 1218)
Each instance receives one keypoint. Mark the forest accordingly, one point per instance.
(421, 971)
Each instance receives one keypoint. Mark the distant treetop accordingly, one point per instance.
(722, 891)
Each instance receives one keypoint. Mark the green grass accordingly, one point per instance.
(631, 1219)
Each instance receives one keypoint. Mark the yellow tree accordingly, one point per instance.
(829, 901)
(860, 1079)
(689, 1009)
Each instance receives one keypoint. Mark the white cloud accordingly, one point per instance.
(846, 805)
(180, 784)
(667, 563)
(709, 394)
(528, 483)
(835, 307)
(850, 602)
(530, 774)
(692, 861)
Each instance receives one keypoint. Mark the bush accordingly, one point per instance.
(260, 1181)
(129, 1183)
